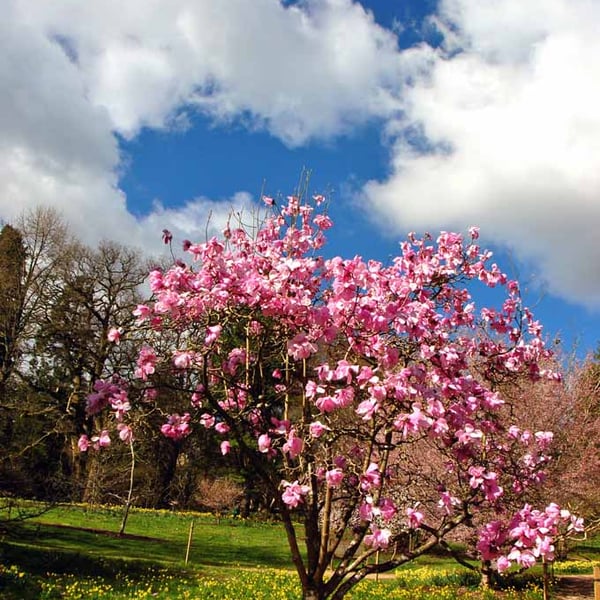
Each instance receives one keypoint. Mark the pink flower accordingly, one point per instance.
(197, 396)
(379, 539)
(167, 236)
(491, 488)
(146, 363)
(366, 512)
(300, 347)
(207, 420)
(264, 443)
(326, 404)
(183, 359)
(142, 312)
(294, 493)
(114, 335)
(544, 439)
(294, 445)
(415, 517)
(222, 428)
(367, 408)
(387, 509)
(102, 440)
(212, 334)
(125, 432)
(225, 448)
(334, 477)
(83, 443)
(371, 478)
(120, 404)
(447, 502)
(177, 426)
(311, 388)
(317, 429)
(323, 222)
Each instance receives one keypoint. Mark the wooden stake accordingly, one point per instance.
(596, 583)
(546, 581)
(189, 543)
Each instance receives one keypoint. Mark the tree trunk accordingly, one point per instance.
(311, 594)
(487, 579)
(92, 491)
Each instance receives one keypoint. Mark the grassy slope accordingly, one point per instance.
(82, 541)
(159, 537)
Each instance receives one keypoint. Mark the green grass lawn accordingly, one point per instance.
(161, 537)
(73, 552)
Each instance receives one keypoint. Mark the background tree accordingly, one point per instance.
(12, 300)
(574, 412)
(40, 242)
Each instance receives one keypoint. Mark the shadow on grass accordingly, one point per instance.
(43, 548)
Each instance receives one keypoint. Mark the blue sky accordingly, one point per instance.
(410, 115)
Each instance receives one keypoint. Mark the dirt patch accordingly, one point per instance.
(574, 587)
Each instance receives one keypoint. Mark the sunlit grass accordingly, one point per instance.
(246, 584)
(73, 552)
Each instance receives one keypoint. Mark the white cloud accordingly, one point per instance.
(199, 219)
(504, 132)
(499, 127)
(301, 71)
(74, 74)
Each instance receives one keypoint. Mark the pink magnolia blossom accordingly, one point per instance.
(415, 517)
(294, 445)
(447, 502)
(222, 428)
(387, 509)
(146, 363)
(207, 420)
(125, 432)
(198, 396)
(294, 493)
(183, 359)
(114, 334)
(334, 477)
(301, 347)
(367, 408)
(371, 478)
(317, 429)
(264, 443)
(83, 443)
(101, 441)
(212, 334)
(379, 539)
(177, 426)
(142, 312)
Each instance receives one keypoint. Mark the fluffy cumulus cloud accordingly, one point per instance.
(504, 132)
(74, 74)
(498, 126)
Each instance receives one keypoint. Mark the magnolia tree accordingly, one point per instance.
(328, 375)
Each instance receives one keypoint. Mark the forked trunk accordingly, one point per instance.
(311, 594)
